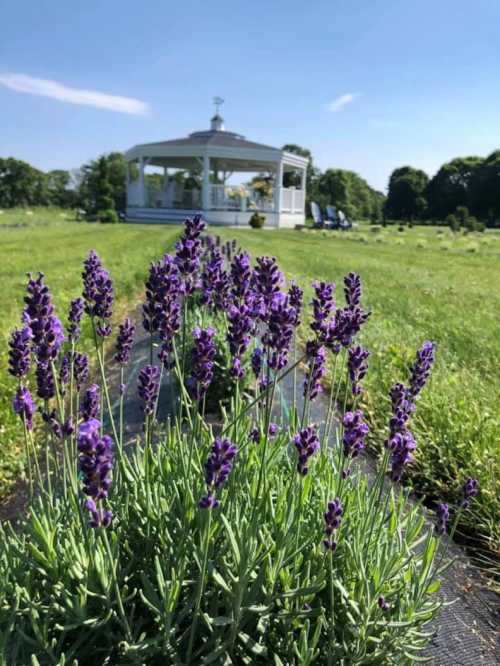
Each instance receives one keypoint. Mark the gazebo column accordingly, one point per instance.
(278, 184)
(142, 191)
(303, 177)
(205, 190)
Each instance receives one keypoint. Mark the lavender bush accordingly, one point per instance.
(254, 538)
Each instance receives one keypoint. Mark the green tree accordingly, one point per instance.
(349, 192)
(485, 190)
(452, 222)
(406, 197)
(21, 184)
(451, 186)
(60, 190)
(114, 166)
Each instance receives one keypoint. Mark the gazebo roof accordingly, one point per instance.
(228, 150)
(213, 138)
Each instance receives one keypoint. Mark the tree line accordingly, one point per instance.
(465, 192)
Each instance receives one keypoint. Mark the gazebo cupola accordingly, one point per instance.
(201, 173)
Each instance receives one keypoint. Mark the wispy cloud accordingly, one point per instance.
(55, 90)
(342, 101)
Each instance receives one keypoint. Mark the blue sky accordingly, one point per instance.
(367, 85)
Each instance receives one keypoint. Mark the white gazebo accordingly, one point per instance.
(193, 177)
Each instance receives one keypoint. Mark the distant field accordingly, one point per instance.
(52, 242)
(421, 284)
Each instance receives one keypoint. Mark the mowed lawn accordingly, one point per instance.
(52, 242)
(421, 284)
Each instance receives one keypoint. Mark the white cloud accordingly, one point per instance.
(55, 90)
(341, 101)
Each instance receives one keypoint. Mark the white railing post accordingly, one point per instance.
(205, 190)
(142, 192)
(277, 187)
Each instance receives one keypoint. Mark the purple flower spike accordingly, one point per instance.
(65, 371)
(215, 282)
(382, 604)
(323, 304)
(307, 443)
(256, 360)
(24, 406)
(80, 369)
(188, 252)
(421, 368)
(74, 318)
(45, 385)
(217, 470)
(273, 429)
(124, 342)
(352, 289)
(98, 293)
(19, 352)
(241, 276)
(47, 330)
(471, 489)
(96, 465)
(443, 516)
(296, 298)
(316, 359)
(267, 280)
(148, 388)
(91, 403)
(281, 319)
(241, 325)
(202, 361)
(333, 518)
(355, 432)
(358, 367)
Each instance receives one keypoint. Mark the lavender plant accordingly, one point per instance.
(214, 540)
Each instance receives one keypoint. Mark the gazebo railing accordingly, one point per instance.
(292, 200)
(237, 197)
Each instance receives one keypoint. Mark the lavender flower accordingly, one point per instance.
(355, 432)
(273, 429)
(19, 352)
(307, 443)
(74, 318)
(215, 281)
(50, 418)
(382, 604)
(24, 405)
(267, 279)
(46, 388)
(241, 276)
(217, 469)
(148, 388)
(352, 289)
(124, 342)
(240, 326)
(80, 369)
(65, 370)
(333, 518)
(470, 490)
(256, 361)
(323, 303)
(98, 293)
(296, 300)
(357, 366)
(202, 361)
(402, 445)
(281, 320)
(96, 465)
(421, 368)
(91, 403)
(47, 331)
(188, 252)
(346, 323)
(443, 516)
(316, 359)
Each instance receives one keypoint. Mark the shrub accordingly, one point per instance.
(260, 544)
(453, 222)
(376, 228)
(401, 228)
(257, 221)
(108, 216)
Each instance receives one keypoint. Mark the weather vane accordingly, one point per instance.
(218, 102)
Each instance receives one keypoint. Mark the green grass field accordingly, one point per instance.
(52, 242)
(421, 284)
